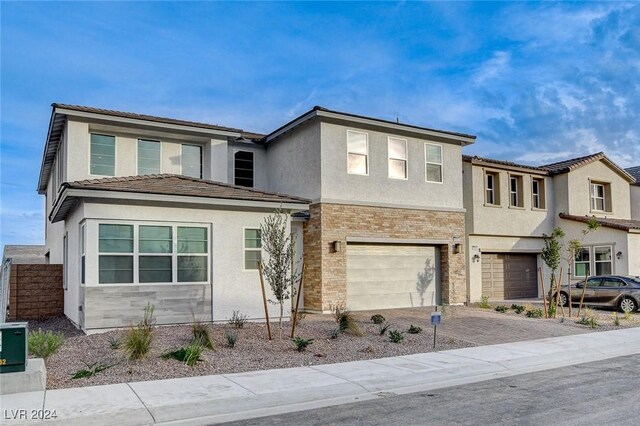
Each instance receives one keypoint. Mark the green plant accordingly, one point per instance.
(535, 313)
(414, 329)
(589, 319)
(484, 302)
(396, 336)
(43, 344)
(627, 315)
(551, 311)
(382, 328)
(502, 308)
(148, 320)
(201, 333)
(231, 337)
(616, 319)
(301, 344)
(189, 354)
(90, 370)
(335, 333)
(377, 319)
(517, 308)
(138, 342)
(115, 342)
(237, 319)
(346, 320)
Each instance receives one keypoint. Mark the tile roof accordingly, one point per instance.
(568, 165)
(471, 159)
(169, 184)
(621, 224)
(635, 172)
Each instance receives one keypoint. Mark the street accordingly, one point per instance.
(598, 393)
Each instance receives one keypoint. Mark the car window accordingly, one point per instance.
(635, 279)
(611, 282)
(594, 282)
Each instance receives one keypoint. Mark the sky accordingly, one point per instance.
(536, 82)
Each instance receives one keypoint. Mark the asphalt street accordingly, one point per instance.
(598, 393)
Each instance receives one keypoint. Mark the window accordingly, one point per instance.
(492, 188)
(612, 282)
(397, 149)
(192, 254)
(582, 263)
(83, 252)
(148, 157)
(600, 196)
(357, 153)
(433, 158)
(115, 261)
(252, 249)
(515, 191)
(537, 194)
(191, 161)
(603, 260)
(103, 155)
(243, 168)
(155, 242)
(65, 260)
(594, 282)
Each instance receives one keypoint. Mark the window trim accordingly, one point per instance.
(406, 159)
(366, 155)
(519, 179)
(592, 260)
(441, 163)
(542, 197)
(592, 184)
(233, 168)
(138, 154)
(244, 248)
(588, 263)
(495, 190)
(115, 154)
(201, 159)
(595, 262)
(83, 254)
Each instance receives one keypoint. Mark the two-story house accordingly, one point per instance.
(143, 209)
(511, 206)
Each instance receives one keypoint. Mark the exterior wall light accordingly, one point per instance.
(457, 248)
(619, 255)
(475, 258)
(336, 246)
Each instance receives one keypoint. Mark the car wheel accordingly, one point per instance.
(563, 299)
(627, 304)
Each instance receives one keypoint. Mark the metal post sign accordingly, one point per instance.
(436, 318)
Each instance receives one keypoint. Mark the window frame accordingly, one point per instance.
(366, 155)
(115, 154)
(519, 180)
(253, 167)
(182, 145)
(405, 159)
(427, 162)
(582, 262)
(159, 153)
(495, 190)
(83, 253)
(245, 248)
(542, 198)
(611, 260)
(593, 197)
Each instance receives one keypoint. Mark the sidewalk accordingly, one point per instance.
(213, 399)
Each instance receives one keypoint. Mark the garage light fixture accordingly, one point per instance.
(457, 248)
(336, 246)
(475, 258)
(619, 255)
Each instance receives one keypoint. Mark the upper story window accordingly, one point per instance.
(600, 196)
(492, 188)
(397, 158)
(103, 155)
(515, 191)
(433, 158)
(357, 153)
(538, 193)
(148, 157)
(191, 161)
(243, 168)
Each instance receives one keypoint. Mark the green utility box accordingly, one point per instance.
(13, 346)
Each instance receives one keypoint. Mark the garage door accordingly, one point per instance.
(392, 276)
(509, 276)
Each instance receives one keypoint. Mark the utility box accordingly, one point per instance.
(13, 346)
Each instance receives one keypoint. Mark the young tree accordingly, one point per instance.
(551, 254)
(278, 267)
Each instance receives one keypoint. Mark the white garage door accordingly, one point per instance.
(392, 276)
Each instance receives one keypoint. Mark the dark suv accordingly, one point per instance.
(617, 291)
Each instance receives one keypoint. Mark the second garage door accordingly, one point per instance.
(392, 276)
(509, 276)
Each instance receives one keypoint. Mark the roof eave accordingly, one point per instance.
(485, 163)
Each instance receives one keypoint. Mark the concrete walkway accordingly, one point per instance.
(214, 399)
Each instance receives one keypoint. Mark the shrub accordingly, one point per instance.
(148, 321)
(627, 315)
(382, 328)
(535, 313)
(414, 329)
(517, 308)
(502, 308)
(43, 344)
(115, 342)
(138, 342)
(346, 321)
(201, 333)
(616, 319)
(301, 344)
(589, 319)
(90, 370)
(377, 319)
(484, 302)
(237, 319)
(396, 336)
(231, 337)
(552, 310)
(335, 333)
(189, 354)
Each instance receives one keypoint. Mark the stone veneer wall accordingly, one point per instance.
(35, 291)
(325, 282)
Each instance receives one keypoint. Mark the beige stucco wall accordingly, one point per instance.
(633, 253)
(635, 202)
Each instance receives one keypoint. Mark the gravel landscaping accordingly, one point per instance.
(462, 327)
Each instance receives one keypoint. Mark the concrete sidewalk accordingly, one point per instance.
(213, 399)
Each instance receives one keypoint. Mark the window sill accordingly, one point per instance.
(495, 206)
(601, 211)
(143, 284)
(537, 209)
(516, 207)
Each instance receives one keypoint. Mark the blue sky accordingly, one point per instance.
(536, 82)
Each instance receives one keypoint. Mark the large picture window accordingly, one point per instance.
(148, 157)
(357, 153)
(433, 160)
(103, 155)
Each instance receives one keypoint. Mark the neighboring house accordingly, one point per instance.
(510, 206)
(148, 209)
(635, 192)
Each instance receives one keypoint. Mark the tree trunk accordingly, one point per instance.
(281, 314)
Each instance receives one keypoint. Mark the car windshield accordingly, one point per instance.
(635, 279)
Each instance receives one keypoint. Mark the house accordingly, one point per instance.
(635, 192)
(510, 206)
(148, 209)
